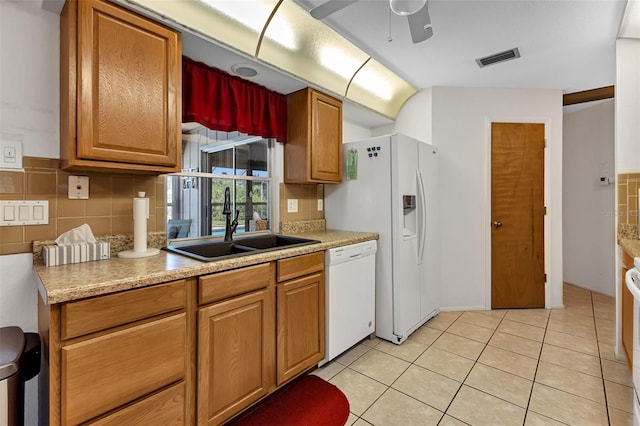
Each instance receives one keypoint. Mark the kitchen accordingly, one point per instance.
(443, 102)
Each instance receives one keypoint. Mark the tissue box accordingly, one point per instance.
(75, 253)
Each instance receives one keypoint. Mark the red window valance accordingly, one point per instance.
(224, 102)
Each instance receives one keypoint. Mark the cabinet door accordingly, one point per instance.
(627, 309)
(326, 138)
(236, 351)
(110, 370)
(300, 318)
(627, 320)
(128, 87)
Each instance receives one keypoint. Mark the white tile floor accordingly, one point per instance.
(503, 367)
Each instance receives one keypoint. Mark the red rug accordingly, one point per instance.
(307, 401)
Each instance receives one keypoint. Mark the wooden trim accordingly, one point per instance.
(588, 95)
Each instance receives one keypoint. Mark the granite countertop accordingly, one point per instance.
(632, 246)
(70, 282)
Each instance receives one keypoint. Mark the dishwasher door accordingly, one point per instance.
(350, 298)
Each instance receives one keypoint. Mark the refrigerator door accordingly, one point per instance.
(407, 281)
(429, 267)
(363, 205)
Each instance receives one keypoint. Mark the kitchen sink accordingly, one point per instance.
(270, 241)
(217, 250)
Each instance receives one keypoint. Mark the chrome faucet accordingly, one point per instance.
(230, 226)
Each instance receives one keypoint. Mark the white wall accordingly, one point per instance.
(29, 105)
(627, 102)
(627, 151)
(457, 120)
(589, 230)
(29, 76)
(354, 132)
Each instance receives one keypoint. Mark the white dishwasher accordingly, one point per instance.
(350, 298)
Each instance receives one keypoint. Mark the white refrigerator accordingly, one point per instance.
(390, 187)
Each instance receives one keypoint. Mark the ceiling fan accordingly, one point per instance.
(416, 12)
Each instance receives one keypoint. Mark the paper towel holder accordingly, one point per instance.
(140, 216)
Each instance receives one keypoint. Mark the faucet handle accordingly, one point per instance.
(234, 223)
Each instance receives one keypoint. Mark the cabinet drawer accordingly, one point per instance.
(99, 313)
(105, 372)
(298, 266)
(163, 408)
(227, 284)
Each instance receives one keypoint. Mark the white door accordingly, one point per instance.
(406, 278)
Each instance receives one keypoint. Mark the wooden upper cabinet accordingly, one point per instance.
(313, 152)
(120, 90)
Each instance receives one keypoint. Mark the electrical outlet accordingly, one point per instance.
(10, 154)
(320, 204)
(78, 187)
(292, 205)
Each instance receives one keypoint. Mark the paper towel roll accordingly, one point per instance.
(140, 216)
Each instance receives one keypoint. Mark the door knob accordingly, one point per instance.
(497, 224)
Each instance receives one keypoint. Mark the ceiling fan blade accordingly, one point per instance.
(420, 25)
(327, 8)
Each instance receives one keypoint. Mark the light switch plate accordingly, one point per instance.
(24, 212)
(292, 205)
(78, 187)
(320, 204)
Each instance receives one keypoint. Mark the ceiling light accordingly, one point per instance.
(406, 7)
(255, 17)
(345, 65)
(244, 70)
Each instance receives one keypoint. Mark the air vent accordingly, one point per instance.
(498, 57)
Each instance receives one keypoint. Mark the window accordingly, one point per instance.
(213, 161)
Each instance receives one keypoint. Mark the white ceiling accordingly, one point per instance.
(564, 44)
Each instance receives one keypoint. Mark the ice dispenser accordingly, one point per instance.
(409, 215)
(408, 203)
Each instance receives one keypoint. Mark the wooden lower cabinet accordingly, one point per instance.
(300, 315)
(235, 355)
(120, 363)
(300, 325)
(194, 351)
(627, 309)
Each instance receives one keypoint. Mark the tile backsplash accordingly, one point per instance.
(628, 185)
(108, 211)
(307, 196)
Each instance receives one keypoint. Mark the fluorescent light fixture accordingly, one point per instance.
(373, 83)
(338, 61)
(345, 65)
(254, 16)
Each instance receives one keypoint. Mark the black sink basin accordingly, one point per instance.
(217, 250)
(269, 241)
(211, 250)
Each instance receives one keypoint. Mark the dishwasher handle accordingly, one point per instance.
(350, 253)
